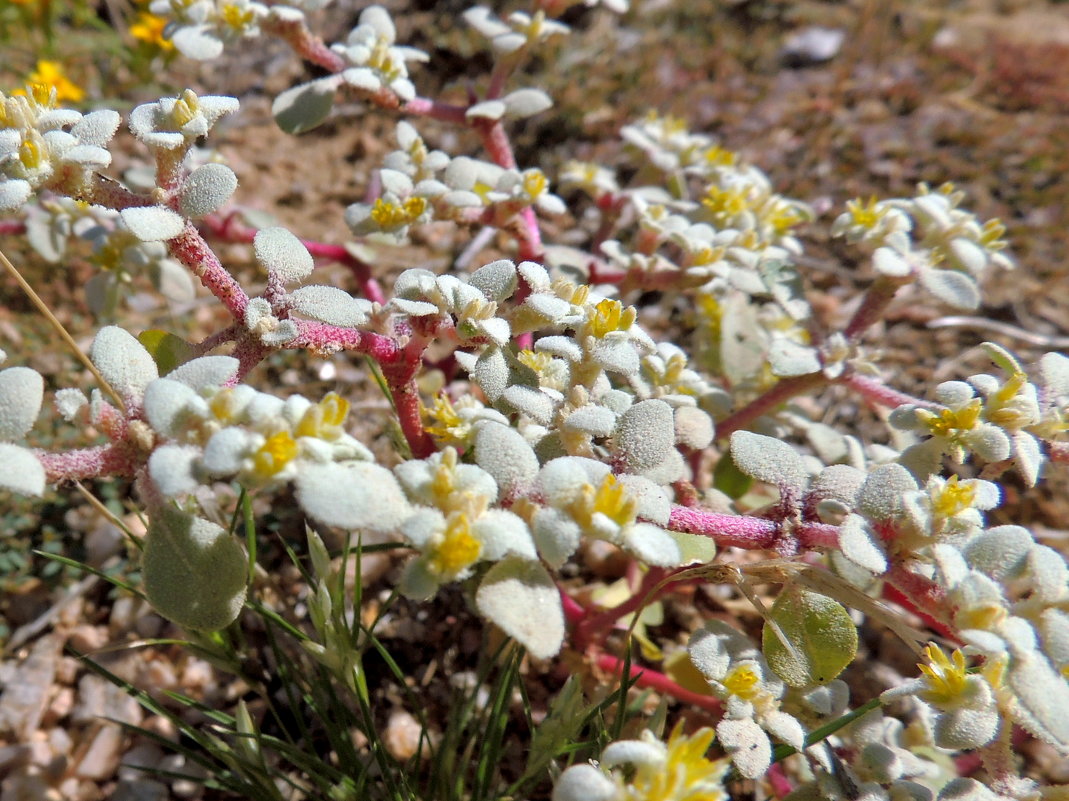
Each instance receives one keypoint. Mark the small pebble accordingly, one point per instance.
(402, 736)
(811, 45)
(102, 758)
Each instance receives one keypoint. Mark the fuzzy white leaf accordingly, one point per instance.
(747, 745)
(1028, 456)
(206, 189)
(768, 459)
(860, 547)
(645, 435)
(584, 782)
(788, 359)
(280, 252)
(171, 468)
(652, 545)
(353, 495)
(491, 373)
(597, 421)
(694, 428)
(520, 597)
(526, 103)
(496, 280)
(331, 305)
(153, 223)
(529, 401)
(166, 403)
(207, 371)
(880, 495)
(953, 288)
(194, 571)
(123, 361)
(196, 43)
(20, 471)
(503, 453)
(21, 393)
(1042, 696)
(305, 107)
(487, 110)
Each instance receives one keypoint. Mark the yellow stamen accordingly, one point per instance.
(610, 315)
(743, 681)
(946, 679)
(275, 454)
(324, 419)
(458, 548)
(953, 498)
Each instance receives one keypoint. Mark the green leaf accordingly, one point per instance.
(729, 479)
(194, 571)
(167, 350)
(821, 639)
(304, 107)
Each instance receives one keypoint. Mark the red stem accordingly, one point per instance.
(924, 595)
(817, 535)
(496, 142)
(307, 45)
(874, 304)
(600, 623)
(324, 340)
(116, 459)
(655, 680)
(895, 595)
(573, 610)
(190, 248)
(878, 393)
(233, 230)
(770, 400)
(738, 531)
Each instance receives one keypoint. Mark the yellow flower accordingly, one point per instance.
(51, 75)
(610, 498)
(149, 29)
(457, 549)
(685, 774)
(275, 454)
(945, 676)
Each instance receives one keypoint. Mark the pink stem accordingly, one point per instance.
(895, 595)
(324, 340)
(12, 227)
(190, 248)
(232, 230)
(496, 142)
(249, 353)
(817, 535)
(116, 459)
(212, 342)
(307, 45)
(601, 622)
(770, 400)
(425, 107)
(114, 195)
(777, 779)
(573, 610)
(924, 594)
(874, 304)
(406, 401)
(646, 677)
(399, 368)
(738, 531)
(878, 393)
